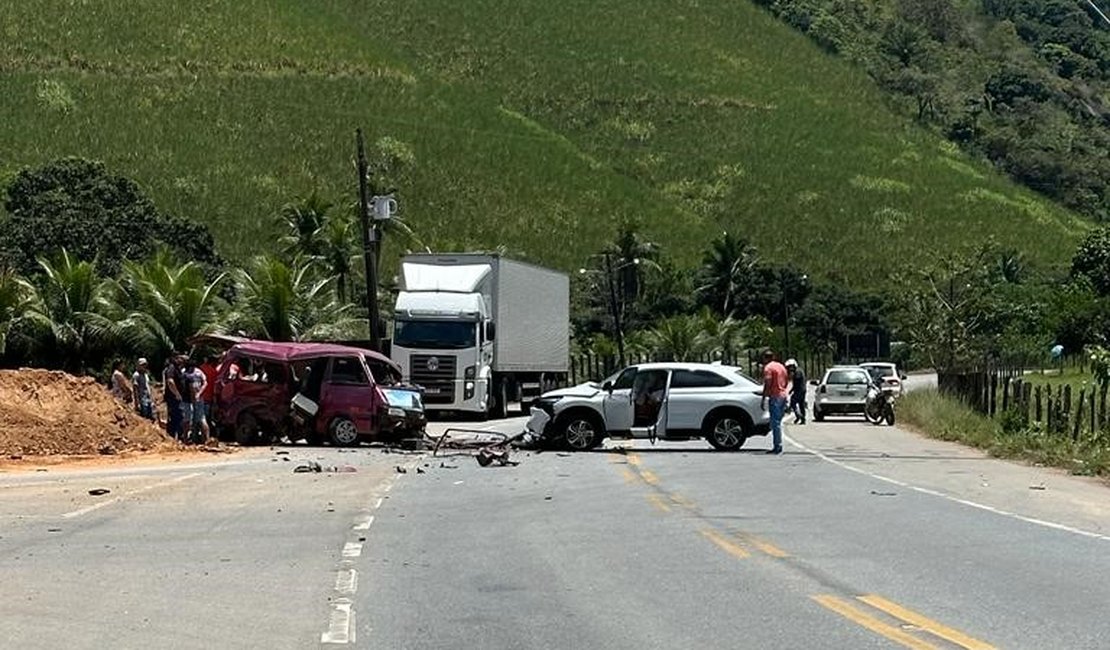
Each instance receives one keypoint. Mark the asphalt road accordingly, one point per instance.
(857, 537)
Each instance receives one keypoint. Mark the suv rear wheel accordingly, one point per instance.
(343, 433)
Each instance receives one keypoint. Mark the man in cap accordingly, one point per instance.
(140, 380)
(797, 391)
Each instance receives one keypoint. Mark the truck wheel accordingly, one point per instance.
(343, 433)
(498, 409)
(246, 430)
(726, 431)
(581, 431)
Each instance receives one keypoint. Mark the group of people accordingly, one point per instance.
(784, 385)
(187, 388)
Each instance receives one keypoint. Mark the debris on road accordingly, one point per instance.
(401, 470)
(1038, 487)
(487, 456)
(446, 466)
(419, 470)
(98, 492)
(310, 466)
(884, 494)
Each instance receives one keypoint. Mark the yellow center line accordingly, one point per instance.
(629, 475)
(762, 545)
(633, 459)
(682, 501)
(649, 477)
(925, 623)
(658, 502)
(727, 545)
(864, 619)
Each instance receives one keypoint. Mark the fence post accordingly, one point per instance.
(1026, 395)
(1067, 401)
(1094, 411)
(1078, 415)
(1038, 411)
(1049, 408)
(1006, 394)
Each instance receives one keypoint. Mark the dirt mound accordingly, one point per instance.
(45, 412)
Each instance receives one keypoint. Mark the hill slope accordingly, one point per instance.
(532, 122)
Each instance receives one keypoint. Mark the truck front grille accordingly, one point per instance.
(436, 373)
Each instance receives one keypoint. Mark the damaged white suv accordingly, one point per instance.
(668, 401)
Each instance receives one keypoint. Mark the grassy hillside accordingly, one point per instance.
(535, 125)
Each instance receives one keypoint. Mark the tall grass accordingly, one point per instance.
(536, 125)
(945, 418)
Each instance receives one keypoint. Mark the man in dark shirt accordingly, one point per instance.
(797, 391)
(171, 386)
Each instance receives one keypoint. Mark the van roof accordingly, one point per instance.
(283, 351)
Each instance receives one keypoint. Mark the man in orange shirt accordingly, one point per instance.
(774, 396)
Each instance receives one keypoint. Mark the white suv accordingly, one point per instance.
(675, 401)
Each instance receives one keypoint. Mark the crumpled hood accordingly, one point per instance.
(588, 389)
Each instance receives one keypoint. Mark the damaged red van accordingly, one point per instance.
(266, 391)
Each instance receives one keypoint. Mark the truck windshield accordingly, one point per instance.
(434, 335)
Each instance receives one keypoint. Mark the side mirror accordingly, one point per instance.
(814, 382)
(902, 376)
(491, 331)
(607, 387)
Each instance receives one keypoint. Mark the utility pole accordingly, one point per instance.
(370, 238)
(614, 307)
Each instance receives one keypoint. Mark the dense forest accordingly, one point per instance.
(1023, 83)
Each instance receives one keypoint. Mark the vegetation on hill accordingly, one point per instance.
(529, 124)
(1022, 83)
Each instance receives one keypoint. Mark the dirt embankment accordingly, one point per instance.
(46, 413)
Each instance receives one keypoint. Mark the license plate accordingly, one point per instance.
(432, 391)
(846, 393)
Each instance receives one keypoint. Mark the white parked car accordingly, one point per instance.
(675, 401)
(842, 391)
(887, 374)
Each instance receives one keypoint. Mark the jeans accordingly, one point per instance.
(188, 420)
(173, 418)
(778, 409)
(146, 408)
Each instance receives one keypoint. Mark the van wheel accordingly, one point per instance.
(726, 431)
(246, 430)
(343, 433)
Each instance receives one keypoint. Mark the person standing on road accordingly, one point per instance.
(192, 407)
(209, 368)
(121, 389)
(797, 391)
(144, 400)
(171, 392)
(774, 397)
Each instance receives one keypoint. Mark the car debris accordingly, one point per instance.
(315, 467)
(98, 492)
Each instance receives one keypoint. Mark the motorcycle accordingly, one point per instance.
(879, 405)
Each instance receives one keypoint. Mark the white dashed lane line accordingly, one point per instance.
(96, 506)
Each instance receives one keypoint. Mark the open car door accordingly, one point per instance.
(650, 396)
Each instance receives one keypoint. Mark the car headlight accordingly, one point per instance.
(546, 404)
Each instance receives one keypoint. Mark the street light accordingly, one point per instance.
(786, 314)
(614, 306)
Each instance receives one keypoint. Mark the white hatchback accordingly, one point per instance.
(842, 391)
(670, 401)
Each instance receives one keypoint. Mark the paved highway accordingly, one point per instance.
(857, 537)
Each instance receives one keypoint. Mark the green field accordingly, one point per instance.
(536, 126)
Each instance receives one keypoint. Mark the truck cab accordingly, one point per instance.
(477, 331)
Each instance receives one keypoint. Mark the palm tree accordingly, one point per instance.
(18, 298)
(629, 257)
(340, 248)
(75, 316)
(302, 221)
(729, 260)
(678, 338)
(166, 302)
(723, 336)
(286, 302)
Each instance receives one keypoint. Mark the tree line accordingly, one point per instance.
(1022, 83)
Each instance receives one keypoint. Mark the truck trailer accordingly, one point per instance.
(478, 331)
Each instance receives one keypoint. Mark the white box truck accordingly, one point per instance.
(478, 331)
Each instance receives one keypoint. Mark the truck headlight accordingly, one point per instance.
(397, 412)
(470, 372)
(468, 390)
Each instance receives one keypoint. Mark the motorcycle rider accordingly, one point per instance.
(797, 391)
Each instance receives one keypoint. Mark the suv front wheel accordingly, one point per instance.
(727, 431)
(581, 430)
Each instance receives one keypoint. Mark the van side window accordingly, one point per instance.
(347, 370)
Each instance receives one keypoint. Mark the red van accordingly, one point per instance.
(314, 391)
